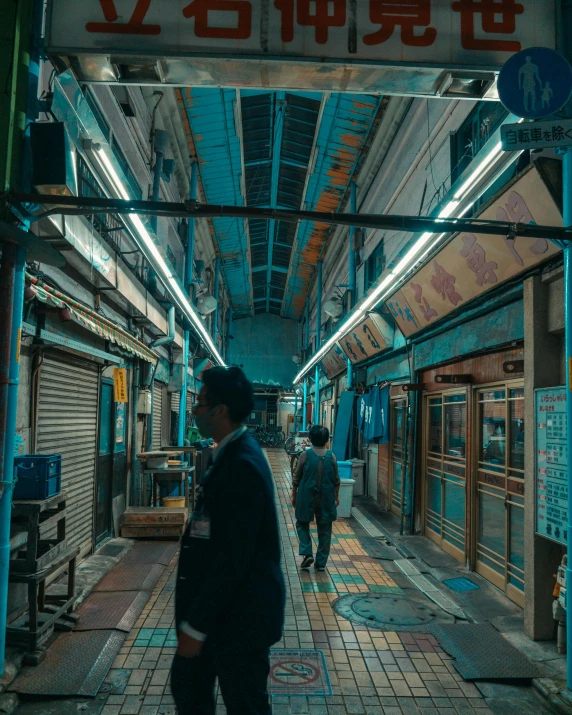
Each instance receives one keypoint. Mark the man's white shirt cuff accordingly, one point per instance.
(190, 631)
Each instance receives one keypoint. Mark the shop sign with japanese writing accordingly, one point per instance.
(551, 464)
(334, 362)
(120, 384)
(370, 337)
(460, 33)
(537, 135)
(471, 264)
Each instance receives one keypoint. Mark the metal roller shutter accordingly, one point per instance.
(158, 415)
(175, 401)
(67, 425)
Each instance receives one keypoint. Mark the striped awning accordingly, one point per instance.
(95, 323)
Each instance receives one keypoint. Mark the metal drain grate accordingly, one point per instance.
(125, 577)
(111, 550)
(151, 553)
(481, 653)
(106, 611)
(76, 664)
(461, 584)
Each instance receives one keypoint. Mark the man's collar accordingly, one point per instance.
(226, 440)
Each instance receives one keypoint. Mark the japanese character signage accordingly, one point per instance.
(471, 263)
(539, 135)
(120, 384)
(334, 362)
(462, 33)
(368, 338)
(551, 464)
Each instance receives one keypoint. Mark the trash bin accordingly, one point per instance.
(346, 497)
(358, 466)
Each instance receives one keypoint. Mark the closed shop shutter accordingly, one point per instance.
(158, 415)
(67, 425)
(175, 401)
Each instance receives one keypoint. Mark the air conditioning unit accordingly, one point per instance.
(206, 304)
(334, 308)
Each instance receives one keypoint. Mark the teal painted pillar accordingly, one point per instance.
(304, 412)
(12, 274)
(318, 342)
(567, 202)
(216, 292)
(352, 271)
(228, 334)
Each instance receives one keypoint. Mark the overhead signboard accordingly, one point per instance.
(537, 135)
(369, 338)
(472, 264)
(551, 464)
(334, 362)
(348, 36)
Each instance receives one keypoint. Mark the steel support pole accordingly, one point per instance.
(183, 398)
(189, 265)
(216, 291)
(567, 204)
(352, 272)
(228, 334)
(304, 412)
(189, 268)
(13, 302)
(135, 471)
(307, 338)
(318, 342)
(157, 170)
(295, 409)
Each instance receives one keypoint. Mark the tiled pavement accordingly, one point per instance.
(371, 671)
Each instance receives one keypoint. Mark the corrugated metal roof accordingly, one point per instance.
(294, 148)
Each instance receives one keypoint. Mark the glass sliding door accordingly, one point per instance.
(500, 488)
(445, 471)
(397, 459)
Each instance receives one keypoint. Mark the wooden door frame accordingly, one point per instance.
(392, 401)
(486, 571)
(437, 539)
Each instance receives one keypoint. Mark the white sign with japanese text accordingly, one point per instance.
(551, 464)
(461, 33)
(537, 135)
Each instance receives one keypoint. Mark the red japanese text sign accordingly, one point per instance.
(471, 264)
(463, 33)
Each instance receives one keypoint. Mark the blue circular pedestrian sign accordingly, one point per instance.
(535, 83)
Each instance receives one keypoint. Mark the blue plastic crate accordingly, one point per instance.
(38, 476)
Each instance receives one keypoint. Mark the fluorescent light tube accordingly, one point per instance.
(169, 280)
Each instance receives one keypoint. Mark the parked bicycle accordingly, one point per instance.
(267, 436)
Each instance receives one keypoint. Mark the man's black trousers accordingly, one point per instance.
(243, 680)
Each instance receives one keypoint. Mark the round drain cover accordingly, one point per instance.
(392, 611)
(386, 611)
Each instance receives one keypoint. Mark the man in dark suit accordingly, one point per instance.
(229, 599)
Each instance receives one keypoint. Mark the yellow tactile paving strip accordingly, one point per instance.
(372, 671)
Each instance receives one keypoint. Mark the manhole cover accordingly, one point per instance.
(386, 611)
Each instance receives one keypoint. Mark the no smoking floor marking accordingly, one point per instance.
(298, 672)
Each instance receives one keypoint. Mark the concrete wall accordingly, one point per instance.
(264, 346)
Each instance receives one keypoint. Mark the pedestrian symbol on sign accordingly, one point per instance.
(535, 83)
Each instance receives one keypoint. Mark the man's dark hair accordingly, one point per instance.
(229, 386)
(319, 436)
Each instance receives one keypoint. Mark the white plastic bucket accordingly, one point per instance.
(346, 497)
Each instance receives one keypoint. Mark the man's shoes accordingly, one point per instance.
(320, 568)
(307, 561)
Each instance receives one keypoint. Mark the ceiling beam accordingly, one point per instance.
(80, 206)
(278, 129)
